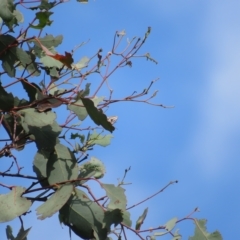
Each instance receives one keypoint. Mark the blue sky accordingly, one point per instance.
(196, 44)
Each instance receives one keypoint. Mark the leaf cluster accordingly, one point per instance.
(62, 167)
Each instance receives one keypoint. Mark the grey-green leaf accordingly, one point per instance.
(171, 224)
(82, 63)
(79, 109)
(8, 55)
(177, 235)
(6, 10)
(62, 165)
(48, 41)
(44, 5)
(84, 216)
(19, 16)
(85, 92)
(50, 62)
(32, 89)
(112, 217)
(93, 168)
(54, 90)
(42, 126)
(141, 219)
(77, 135)
(43, 18)
(6, 100)
(27, 60)
(126, 218)
(201, 232)
(102, 140)
(40, 167)
(116, 195)
(96, 115)
(15, 204)
(9, 233)
(14, 130)
(55, 202)
(22, 234)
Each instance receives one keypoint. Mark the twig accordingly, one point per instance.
(131, 229)
(6, 186)
(17, 175)
(172, 182)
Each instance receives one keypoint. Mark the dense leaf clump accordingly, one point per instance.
(62, 166)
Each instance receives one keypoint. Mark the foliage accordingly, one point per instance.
(61, 149)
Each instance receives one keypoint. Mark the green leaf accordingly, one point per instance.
(77, 135)
(126, 218)
(19, 16)
(42, 126)
(96, 138)
(48, 104)
(22, 234)
(6, 100)
(152, 238)
(27, 60)
(8, 55)
(55, 202)
(171, 224)
(9, 233)
(9, 14)
(6, 10)
(49, 61)
(84, 216)
(43, 18)
(116, 195)
(45, 5)
(84, 93)
(31, 88)
(158, 234)
(54, 90)
(39, 95)
(53, 72)
(78, 108)
(96, 115)
(177, 236)
(40, 167)
(12, 128)
(141, 219)
(112, 217)
(77, 148)
(82, 63)
(93, 168)
(15, 204)
(48, 41)
(169, 227)
(51, 65)
(201, 233)
(62, 165)
(20, 102)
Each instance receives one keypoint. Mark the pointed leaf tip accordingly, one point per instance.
(141, 219)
